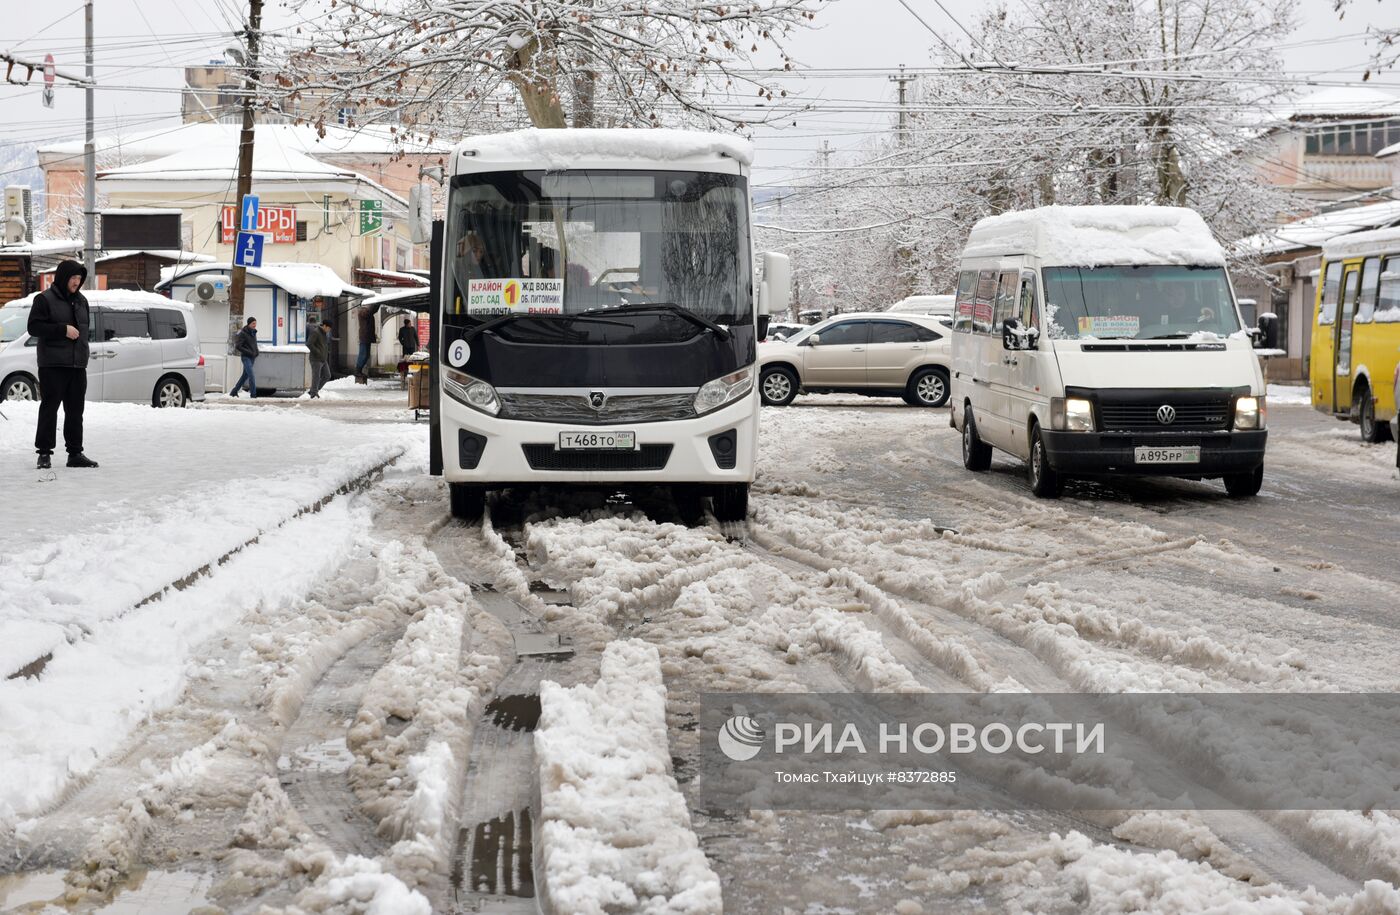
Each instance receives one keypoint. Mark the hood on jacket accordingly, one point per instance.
(65, 271)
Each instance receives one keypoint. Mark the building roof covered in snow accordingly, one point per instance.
(1315, 231)
(563, 148)
(1345, 102)
(1098, 236)
(1362, 244)
(302, 280)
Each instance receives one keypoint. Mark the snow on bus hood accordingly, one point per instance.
(1137, 367)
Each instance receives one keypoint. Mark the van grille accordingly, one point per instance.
(546, 457)
(1200, 415)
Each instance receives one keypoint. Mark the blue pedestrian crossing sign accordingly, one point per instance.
(248, 251)
(250, 214)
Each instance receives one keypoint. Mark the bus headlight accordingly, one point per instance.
(473, 392)
(715, 394)
(1071, 414)
(1250, 413)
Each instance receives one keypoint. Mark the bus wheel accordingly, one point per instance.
(468, 500)
(731, 501)
(1245, 485)
(1372, 432)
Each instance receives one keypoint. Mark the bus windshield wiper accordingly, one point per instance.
(507, 318)
(672, 307)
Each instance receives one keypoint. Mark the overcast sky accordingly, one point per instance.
(852, 34)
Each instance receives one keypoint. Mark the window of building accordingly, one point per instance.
(1366, 138)
(301, 230)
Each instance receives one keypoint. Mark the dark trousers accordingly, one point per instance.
(320, 374)
(68, 388)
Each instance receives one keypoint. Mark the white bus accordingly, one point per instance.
(599, 315)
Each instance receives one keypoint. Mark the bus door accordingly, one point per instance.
(1346, 316)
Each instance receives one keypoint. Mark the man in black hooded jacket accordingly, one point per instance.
(59, 321)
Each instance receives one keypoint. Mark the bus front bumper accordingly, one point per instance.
(490, 450)
(1115, 452)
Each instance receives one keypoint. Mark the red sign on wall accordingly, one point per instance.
(279, 223)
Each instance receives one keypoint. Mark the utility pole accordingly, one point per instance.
(826, 154)
(245, 145)
(89, 166)
(903, 113)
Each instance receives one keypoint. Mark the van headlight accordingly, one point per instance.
(473, 392)
(1250, 413)
(715, 394)
(1071, 414)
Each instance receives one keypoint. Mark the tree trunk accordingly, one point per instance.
(585, 93)
(536, 91)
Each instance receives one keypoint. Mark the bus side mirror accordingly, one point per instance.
(764, 322)
(1267, 338)
(775, 292)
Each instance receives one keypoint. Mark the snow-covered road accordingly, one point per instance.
(363, 742)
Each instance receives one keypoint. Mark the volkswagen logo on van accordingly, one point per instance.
(1166, 414)
(597, 399)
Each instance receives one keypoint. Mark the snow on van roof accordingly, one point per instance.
(119, 300)
(560, 148)
(1360, 244)
(1099, 236)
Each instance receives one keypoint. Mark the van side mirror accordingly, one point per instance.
(775, 292)
(1267, 332)
(1012, 337)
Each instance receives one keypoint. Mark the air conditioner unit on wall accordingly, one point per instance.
(210, 289)
(17, 223)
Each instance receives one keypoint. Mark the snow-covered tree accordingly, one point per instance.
(579, 62)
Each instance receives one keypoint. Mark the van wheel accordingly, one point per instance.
(1245, 485)
(468, 501)
(731, 502)
(977, 454)
(1372, 432)
(927, 388)
(1045, 482)
(778, 386)
(170, 392)
(19, 387)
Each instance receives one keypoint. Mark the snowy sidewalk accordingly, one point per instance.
(177, 490)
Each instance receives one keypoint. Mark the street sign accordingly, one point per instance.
(248, 251)
(48, 80)
(371, 216)
(250, 213)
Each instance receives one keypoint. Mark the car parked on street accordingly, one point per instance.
(877, 354)
(144, 349)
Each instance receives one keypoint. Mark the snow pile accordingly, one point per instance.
(155, 514)
(1098, 236)
(1289, 395)
(566, 148)
(615, 831)
(356, 885)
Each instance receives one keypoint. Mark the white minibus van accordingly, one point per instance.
(1105, 340)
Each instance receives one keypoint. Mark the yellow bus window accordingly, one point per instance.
(1331, 285)
(1388, 306)
(1370, 280)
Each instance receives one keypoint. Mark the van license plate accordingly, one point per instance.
(597, 441)
(1182, 454)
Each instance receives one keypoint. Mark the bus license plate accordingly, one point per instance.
(1180, 454)
(597, 441)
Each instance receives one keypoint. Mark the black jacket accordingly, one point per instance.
(246, 342)
(54, 310)
(408, 339)
(318, 344)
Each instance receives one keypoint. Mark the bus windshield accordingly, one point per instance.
(561, 244)
(1138, 303)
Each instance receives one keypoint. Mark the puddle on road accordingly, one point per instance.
(143, 893)
(501, 855)
(328, 756)
(515, 713)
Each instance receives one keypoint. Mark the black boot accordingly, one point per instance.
(44, 462)
(80, 460)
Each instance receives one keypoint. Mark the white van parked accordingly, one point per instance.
(144, 348)
(1105, 340)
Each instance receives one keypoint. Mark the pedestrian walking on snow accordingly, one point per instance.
(318, 342)
(59, 321)
(245, 344)
(368, 337)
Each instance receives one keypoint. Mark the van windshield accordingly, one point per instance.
(1138, 303)
(13, 320)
